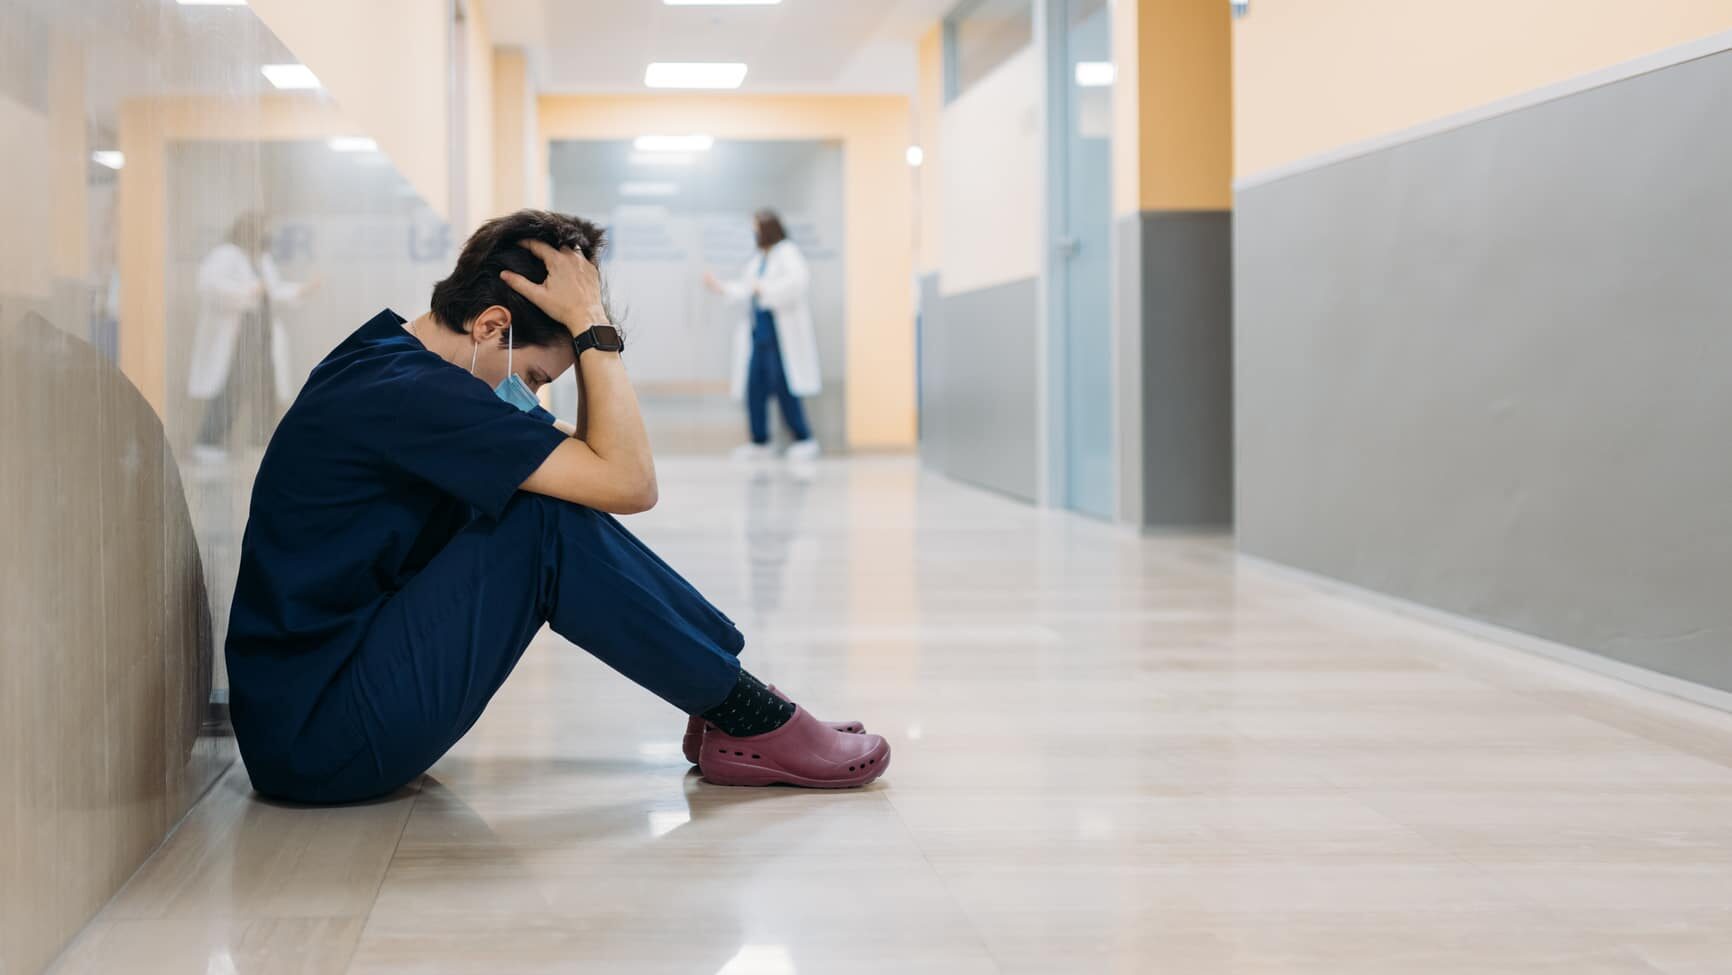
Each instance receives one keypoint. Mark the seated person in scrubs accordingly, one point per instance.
(417, 518)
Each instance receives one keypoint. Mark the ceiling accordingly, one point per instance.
(818, 46)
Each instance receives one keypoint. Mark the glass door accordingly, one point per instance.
(1083, 202)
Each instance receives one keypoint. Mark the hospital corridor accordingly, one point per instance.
(815, 487)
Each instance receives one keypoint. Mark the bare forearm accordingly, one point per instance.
(581, 424)
(607, 464)
(609, 419)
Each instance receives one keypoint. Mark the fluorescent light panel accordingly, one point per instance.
(290, 75)
(1095, 74)
(720, 3)
(354, 143)
(673, 143)
(212, 3)
(112, 158)
(694, 74)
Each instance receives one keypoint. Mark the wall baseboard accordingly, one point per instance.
(1499, 636)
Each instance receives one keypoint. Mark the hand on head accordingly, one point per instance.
(571, 293)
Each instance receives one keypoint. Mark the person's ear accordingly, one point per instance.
(491, 324)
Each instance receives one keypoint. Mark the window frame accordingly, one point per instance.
(952, 80)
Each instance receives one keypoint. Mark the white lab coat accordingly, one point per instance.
(228, 289)
(783, 290)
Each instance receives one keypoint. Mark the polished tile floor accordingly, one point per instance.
(1113, 754)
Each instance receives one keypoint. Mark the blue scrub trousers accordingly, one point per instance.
(439, 649)
(765, 377)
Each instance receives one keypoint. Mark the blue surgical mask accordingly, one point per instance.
(512, 389)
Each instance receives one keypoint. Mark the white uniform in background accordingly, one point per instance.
(783, 291)
(228, 289)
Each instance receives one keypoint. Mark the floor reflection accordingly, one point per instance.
(776, 495)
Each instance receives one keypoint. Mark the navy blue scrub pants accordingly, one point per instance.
(440, 648)
(765, 377)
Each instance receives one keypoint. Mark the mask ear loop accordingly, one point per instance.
(474, 351)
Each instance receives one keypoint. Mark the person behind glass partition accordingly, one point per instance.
(240, 348)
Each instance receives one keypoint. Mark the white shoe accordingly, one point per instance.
(752, 452)
(208, 455)
(803, 450)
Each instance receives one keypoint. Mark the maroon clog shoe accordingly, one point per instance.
(804, 752)
(694, 736)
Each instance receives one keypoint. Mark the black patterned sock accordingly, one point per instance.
(749, 709)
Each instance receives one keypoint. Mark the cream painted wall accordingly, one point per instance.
(877, 201)
(1313, 76)
(989, 186)
(478, 143)
(387, 62)
(513, 127)
(68, 144)
(26, 268)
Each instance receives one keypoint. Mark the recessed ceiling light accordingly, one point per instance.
(694, 74)
(673, 143)
(112, 158)
(662, 158)
(354, 143)
(720, 3)
(290, 75)
(648, 189)
(915, 155)
(1095, 74)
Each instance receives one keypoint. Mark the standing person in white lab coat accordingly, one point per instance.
(240, 351)
(775, 347)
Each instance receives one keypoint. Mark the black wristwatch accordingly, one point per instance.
(603, 337)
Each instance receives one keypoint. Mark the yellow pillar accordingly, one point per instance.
(1172, 105)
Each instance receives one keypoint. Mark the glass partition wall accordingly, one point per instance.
(153, 175)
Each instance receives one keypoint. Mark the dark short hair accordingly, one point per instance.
(475, 285)
(770, 232)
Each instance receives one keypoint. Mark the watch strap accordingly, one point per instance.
(586, 340)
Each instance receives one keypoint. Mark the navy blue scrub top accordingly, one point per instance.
(385, 455)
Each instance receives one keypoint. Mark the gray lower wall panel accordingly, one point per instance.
(978, 407)
(1184, 263)
(1490, 371)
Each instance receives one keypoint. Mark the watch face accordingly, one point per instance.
(607, 338)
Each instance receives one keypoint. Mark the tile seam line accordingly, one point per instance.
(373, 902)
